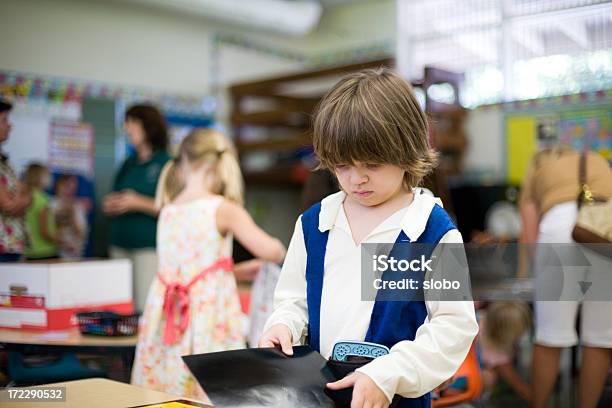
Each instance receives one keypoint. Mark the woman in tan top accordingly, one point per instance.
(549, 209)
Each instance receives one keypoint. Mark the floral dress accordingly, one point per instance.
(193, 305)
(12, 229)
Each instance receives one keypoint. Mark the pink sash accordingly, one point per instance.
(176, 299)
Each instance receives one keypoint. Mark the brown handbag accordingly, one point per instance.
(594, 221)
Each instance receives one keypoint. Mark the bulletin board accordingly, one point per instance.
(71, 147)
(521, 145)
(593, 127)
(579, 128)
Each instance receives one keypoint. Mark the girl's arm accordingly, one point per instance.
(414, 368)
(235, 219)
(514, 380)
(43, 221)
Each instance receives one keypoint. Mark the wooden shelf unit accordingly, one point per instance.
(289, 111)
(284, 111)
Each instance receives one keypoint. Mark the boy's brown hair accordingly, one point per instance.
(372, 116)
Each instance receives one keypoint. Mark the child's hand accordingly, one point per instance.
(246, 271)
(365, 391)
(278, 335)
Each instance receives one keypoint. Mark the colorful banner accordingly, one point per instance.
(592, 128)
(583, 98)
(21, 86)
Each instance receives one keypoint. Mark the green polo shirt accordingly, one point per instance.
(38, 246)
(137, 230)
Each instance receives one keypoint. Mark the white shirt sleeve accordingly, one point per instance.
(413, 368)
(290, 307)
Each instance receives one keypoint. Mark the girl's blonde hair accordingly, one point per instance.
(204, 146)
(34, 175)
(506, 322)
(372, 116)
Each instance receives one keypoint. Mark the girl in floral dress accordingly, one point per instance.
(193, 305)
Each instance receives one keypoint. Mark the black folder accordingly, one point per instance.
(263, 377)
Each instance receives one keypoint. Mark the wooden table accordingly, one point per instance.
(65, 341)
(99, 393)
(64, 338)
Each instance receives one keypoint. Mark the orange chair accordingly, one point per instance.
(245, 301)
(470, 369)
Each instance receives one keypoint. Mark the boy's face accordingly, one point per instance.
(370, 184)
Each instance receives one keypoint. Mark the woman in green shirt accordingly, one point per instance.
(131, 205)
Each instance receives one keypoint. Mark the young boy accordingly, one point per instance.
(371, 133)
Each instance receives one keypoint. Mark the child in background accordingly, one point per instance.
(193, 305)
(70, 217)
(370, 132)
(501, 327)
(40, 222)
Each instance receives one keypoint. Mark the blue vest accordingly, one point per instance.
(391, 321)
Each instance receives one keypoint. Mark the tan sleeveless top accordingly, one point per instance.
(552, 178)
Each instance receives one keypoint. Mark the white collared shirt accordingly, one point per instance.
(413, 368)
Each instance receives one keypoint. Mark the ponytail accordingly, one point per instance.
(229, 176)
(210, 147)
(168, 186)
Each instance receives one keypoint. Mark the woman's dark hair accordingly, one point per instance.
(153, 123)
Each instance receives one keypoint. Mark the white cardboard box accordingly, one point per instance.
(63, 288)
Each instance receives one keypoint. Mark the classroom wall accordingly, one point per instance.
(344, 26)
(486, 146)
(353, 25)
(135, 45)
(105, 41)
(32, 122)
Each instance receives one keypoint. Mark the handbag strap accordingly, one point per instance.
(582, 169)
(585, 196)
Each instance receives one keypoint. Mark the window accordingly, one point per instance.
(509, 49)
